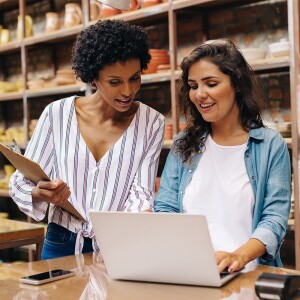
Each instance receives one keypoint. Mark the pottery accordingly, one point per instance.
(107, 11)
(5, 36)
(118, 4)
(73, 15)
(95, 10)
(52, 22)
(281, 48)
(28, 27)
(134, 5)
(147, 3)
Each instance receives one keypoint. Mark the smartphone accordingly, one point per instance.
(45, 277)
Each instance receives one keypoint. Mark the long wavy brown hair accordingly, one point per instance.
(248, 94)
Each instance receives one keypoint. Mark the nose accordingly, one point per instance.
(126, 89)
(201, 93)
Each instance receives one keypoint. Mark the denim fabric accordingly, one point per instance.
(60, 241)
(268, 166)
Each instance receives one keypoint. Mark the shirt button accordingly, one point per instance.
(94, 190)
(181, 192)
(190, 171)
(253, 177)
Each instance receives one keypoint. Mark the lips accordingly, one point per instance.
(206, 105)
(123, 101)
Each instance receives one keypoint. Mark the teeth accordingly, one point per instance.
(206, 105)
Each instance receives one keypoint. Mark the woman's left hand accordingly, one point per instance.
(237, 260)
(232, 261)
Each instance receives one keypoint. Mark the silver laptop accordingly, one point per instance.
(158, 247)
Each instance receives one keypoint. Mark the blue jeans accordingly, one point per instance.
(60, 241)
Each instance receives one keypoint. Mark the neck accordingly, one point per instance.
(229, 134)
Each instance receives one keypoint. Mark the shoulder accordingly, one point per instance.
(268, 141)
(266, 135)
(150, 113)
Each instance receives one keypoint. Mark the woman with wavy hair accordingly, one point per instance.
(226, 164)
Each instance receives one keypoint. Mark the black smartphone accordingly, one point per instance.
(45, 277)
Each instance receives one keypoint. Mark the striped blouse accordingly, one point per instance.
(122, 180)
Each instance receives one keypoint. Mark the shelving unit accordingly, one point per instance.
(173, 16)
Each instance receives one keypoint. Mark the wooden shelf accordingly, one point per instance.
(4, 193)
(156, 77)
(13, 46)
(11, 96)
(142, 13)
(53, 36)
(61, 89)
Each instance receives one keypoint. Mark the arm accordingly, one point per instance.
(167, 198)
(39, 149)
(141, 193)
(273, 210)
(241, 256)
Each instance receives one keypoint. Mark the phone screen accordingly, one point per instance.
(47, 275)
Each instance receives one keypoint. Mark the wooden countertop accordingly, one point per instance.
(92, 282)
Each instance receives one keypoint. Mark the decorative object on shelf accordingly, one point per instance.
(95, 10)
(65, 77)
(147, 3)
(252, 54)
(169, 132)
(158, 57)
(121, 5)
(73, 15)
(28, 27)
(134, 5)
(108, 11)
(163, 67)
(281, 48)
(5, 36)
(7, 86)
(52, 22)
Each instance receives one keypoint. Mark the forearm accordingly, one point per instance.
(251, 250)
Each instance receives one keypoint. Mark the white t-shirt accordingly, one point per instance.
(220, 189)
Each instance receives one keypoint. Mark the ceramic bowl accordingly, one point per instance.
(251, 54)
(281, 48)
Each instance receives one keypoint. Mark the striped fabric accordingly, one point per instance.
(122, 180)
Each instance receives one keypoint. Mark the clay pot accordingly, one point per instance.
(95, 10)
(52, 22)
(28, 27)
(134, 5)
(107, 11)
(73, 15)
(147, 3)
(169, 132)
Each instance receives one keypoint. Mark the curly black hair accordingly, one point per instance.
(105, 43)
(248, 94)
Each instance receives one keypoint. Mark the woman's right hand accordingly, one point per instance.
(56, 192)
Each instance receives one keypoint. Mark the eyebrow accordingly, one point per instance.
(205, 78)
(116, 76)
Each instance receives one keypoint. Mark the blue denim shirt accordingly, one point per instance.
(268, 166)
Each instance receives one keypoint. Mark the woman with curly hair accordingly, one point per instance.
(101, 151)
(226, 165)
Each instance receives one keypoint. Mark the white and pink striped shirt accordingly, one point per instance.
(123, 180)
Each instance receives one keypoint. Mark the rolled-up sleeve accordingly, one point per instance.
(40, 150)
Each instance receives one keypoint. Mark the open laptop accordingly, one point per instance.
(157, 247)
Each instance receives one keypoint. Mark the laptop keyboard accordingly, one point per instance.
(224, 274)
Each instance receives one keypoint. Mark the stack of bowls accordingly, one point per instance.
(158, 57)
(65, 77)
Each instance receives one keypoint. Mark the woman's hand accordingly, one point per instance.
(237, 260)
(232, 261)
(56, 192)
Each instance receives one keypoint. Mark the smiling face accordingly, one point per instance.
(212, 93)
(118, 84)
